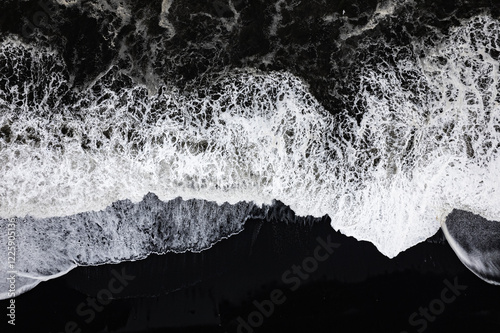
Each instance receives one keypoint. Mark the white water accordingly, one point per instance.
(476, 244)
(418, 152)
(50, 247)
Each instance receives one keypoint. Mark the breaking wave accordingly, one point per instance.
(424, 141)
(475, 241)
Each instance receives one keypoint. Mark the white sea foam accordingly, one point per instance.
(417, 153)
(476, 243)
(164, 22)
(50, 247)
(383, 9)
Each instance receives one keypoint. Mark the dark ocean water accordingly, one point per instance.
(211, 150)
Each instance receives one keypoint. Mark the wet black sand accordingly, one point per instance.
(355, 290)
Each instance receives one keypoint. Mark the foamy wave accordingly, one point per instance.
(476, 243)
(418, 152)
(50, 247)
